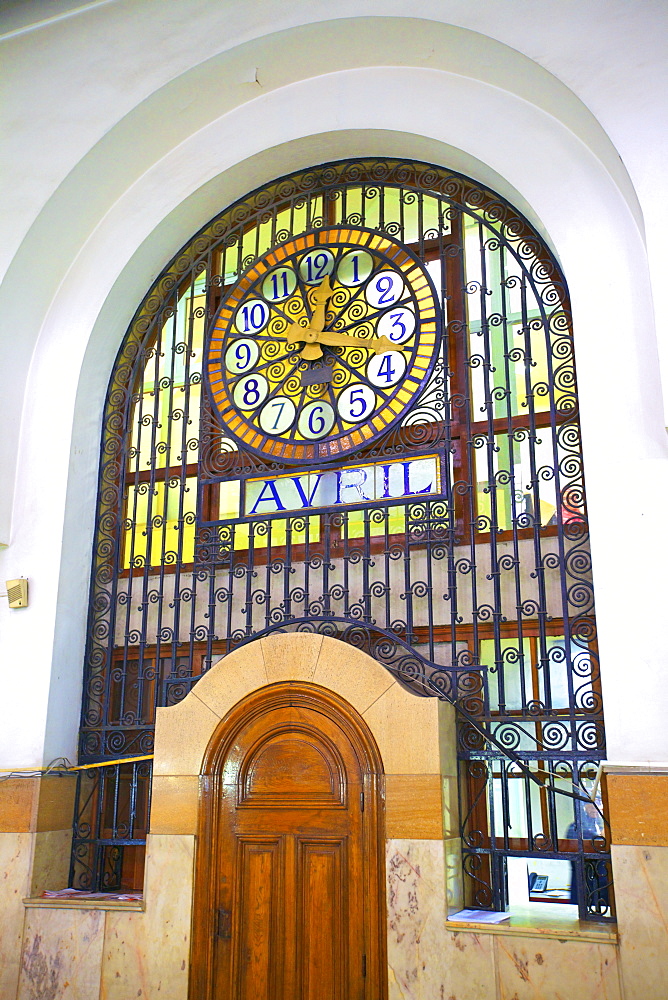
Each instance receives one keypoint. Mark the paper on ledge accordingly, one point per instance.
(479, 917)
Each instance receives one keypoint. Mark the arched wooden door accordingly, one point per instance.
(289, 890)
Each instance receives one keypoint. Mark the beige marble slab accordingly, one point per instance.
(468, 967)
(415, 917)
(182, 734)
(641, 897)
(427, 961)
(51, 866)
(15, 854)
(351, 673)
(146, 954)
(406, 730)
(62, 955)
(450, 965)
(291, 657)
(557, 970)
(232, 678)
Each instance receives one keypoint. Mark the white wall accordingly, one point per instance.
(132, 123)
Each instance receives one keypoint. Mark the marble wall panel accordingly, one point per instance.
(51, 865)
(406, 731)
(454, 879)
(415, 917)
(18, 797)
(641, 897)
(426, 961)
(147, 954)
(468, 966)
(62, 954)
(638, 806)
(553, 969)
(15, 854)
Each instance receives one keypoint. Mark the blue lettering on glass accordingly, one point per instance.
(385, 368)
(316, 412)
(407, 479)
(274, 280)
(270, 487)
(307, 501)
(240, 351)
(340, 486)
(280, 407)
(386, 483)
(384, 286)
(251, 390)
(253, 317)
(316, 266)
(361, 484)
(355, 397)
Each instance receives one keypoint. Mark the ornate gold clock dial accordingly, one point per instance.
(323, 344)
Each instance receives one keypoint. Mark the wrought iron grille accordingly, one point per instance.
(478, 592)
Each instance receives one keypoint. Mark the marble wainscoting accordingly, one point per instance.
(62, 954)
(426, 962)
(147, 954)
(15, 858)
(83, 952)
(431, 960)
(641, 896)
(549, 968)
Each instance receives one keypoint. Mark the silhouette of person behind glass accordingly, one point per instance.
(594, 871)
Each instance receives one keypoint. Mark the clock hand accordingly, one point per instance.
(314, 334)
(307, 334)
(321, 295)
(331, 338)
(376, 344)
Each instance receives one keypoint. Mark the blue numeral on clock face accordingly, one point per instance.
(385, 369)
(281, 279)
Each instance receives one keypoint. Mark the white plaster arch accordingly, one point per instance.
(535, 138)
(182, 105)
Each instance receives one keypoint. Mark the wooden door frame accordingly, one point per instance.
(261, 702)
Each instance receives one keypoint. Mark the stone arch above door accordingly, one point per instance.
(415, 737)
(413, 734)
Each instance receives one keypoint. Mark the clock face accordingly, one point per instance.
(322, 344)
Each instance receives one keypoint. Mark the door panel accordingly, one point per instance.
(259, 869)
(295, 858)
(321, 893)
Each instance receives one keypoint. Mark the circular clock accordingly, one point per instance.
(322, 344)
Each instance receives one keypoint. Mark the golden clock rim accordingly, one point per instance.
(381, 420)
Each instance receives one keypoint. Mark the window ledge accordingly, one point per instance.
(550, 922)
(84, 904)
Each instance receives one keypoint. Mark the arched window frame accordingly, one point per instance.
(173, 599)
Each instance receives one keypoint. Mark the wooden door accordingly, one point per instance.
(296, 888)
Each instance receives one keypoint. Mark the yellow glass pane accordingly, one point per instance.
(169, 388)
(276, 532)
(228, 500)
(393, 521)
(160, 524)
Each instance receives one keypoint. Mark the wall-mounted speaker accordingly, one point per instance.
(17, 592)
